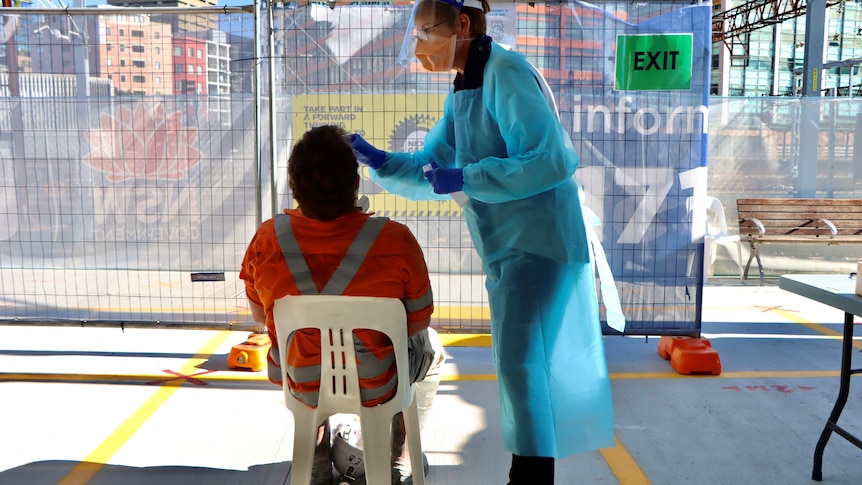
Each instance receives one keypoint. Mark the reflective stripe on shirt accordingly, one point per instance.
(369, 366)
(417, 304)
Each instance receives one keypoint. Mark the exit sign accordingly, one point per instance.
(651, 62)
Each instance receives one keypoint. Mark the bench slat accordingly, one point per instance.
(800, 217)
(801, 202)
(846, 211)
(805, 239)
(797, 221)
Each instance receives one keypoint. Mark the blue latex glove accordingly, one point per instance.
(445, 180)
(366, 154)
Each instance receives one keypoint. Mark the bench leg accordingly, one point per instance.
(759, 265)
(751, 252)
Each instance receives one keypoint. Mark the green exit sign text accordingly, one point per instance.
(651, 62)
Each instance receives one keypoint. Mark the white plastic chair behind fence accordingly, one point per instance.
(337, 317)
(704, 209)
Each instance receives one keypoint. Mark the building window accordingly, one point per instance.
(156, 34)
(178, 51)
(123, 78)
(158, 50)
(109, 47)
(122, 48)
(139, 64)
(191, 52)
(191, 69)
(122, 32)
(138, 48)
(139, 79)
(200, 88)
(158, 65)
(200, 54)
(178, 85)
(178, 68)
(158, 80)
(122, 63)
(138, 33)
(110, 62)
(200, 70)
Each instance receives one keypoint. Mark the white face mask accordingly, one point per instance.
(437, 54)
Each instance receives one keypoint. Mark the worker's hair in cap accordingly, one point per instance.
(448, 10)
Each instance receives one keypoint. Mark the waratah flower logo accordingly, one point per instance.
(144, 143)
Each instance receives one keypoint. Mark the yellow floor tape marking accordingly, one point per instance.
(620, 461)
(623, 466)
(261, 377)
(91, 465)
(619, 376)
(796, 318)
(465, 340)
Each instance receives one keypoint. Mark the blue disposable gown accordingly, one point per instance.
(525, 219)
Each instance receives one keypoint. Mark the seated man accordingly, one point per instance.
(303, 251)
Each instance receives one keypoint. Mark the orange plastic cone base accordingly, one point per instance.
(251, 354)
(690, 355)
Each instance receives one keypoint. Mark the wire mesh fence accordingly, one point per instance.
(136, 157)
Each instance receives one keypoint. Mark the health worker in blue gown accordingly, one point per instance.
(501, 144)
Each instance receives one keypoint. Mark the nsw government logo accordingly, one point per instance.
(409, 134)
(148, 142)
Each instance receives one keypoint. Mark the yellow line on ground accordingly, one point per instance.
(120, 378)
(91, 465)
(465, 340)
(174, 309)
(461, 312)
(796, 318)
(621, 376)
(261, 377)
(623, 466)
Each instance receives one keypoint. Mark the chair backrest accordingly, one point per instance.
(717, 209)
(337, 317)
(704, 209)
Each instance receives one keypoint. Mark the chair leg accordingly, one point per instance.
(304, 441)
(414, 442)
(376, 447)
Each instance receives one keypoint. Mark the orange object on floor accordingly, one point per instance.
(690, 355)
(251, 354)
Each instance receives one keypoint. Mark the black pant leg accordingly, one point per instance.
(531, 470)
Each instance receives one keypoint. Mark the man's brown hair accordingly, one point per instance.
(322, 170)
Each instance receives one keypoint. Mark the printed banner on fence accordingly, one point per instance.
(391, 122)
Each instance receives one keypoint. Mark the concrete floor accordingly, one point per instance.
(141, 406)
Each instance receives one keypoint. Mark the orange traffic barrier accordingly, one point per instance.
(251, 354)
(690, 355)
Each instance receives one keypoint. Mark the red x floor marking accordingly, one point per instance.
(189, 378)
(777, 307)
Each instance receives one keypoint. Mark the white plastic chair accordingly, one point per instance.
(704, 209)
(337, 317)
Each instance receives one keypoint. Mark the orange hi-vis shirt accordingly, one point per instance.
(394, 267)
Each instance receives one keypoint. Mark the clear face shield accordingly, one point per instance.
(425, 32)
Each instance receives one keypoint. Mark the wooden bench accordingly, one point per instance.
(793, 221)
